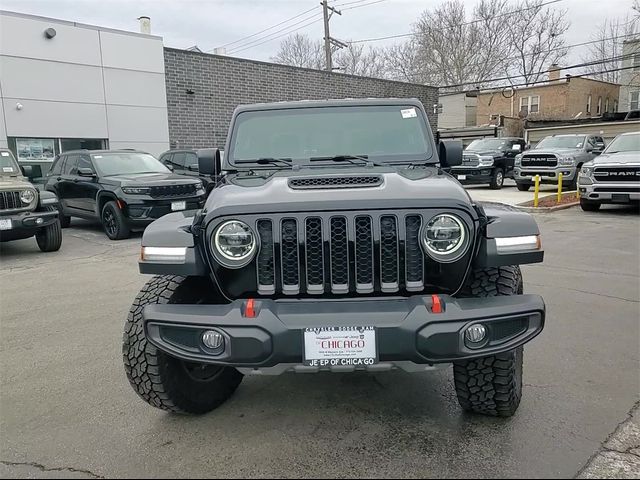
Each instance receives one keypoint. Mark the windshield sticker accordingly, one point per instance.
(4, 154)
(579, 145)
(7, 169)
(409, 113)
(97, 156)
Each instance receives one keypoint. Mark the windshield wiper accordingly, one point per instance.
(266, 161)
(348, 158)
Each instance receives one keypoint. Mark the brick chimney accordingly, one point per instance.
(554, 72)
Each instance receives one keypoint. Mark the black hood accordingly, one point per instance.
(489, 153)
(398, 188)
(148, 179)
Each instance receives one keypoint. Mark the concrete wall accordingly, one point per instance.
(86, 82)
(630, 78)
(219, 84)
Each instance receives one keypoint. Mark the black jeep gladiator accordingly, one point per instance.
(335, 241)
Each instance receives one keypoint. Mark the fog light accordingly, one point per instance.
(39, 221)
(213, 340)
(476, 333)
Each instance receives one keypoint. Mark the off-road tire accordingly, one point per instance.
(491, 385)
(589, 205)
(159, 379)
(49, 238)
(523, 187)
(497, 179)
(119, 229)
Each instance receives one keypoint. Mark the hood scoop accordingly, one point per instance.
(335, 181)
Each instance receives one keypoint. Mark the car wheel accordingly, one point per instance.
(113, 222)
(491, 385)
(589, 205)
(164, 381)
(49, 238)
(523, 187)
(497, 179)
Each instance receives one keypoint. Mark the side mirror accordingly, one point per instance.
(527, 146)
(209, 162)
(450, 153)
(516, 147)
(86, 172)
(27, 171)
(169, 166)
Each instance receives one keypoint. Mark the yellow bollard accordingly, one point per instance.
(536, 190)
(559, 187)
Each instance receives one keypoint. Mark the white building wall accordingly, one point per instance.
(85, 83)
(629, 77)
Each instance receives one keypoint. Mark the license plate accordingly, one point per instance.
(175, 206)
(340, 346)
(462, 177)
(5, 224)
(619, 198)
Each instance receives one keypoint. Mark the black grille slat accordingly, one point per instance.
(11, 201)
(314, 255)
(351, 181)
(364, 254)
(172, 191)
(389, 253)
(339, 255)
(265, 265)
(617, 174)
(539, 160)
(414, 258)
(289, 257)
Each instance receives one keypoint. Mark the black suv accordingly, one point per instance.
(335, 242)
(124, 189)
(185, 162)
(489, 160)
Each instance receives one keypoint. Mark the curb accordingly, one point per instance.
(546, 209)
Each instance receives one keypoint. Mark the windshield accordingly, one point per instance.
(624, 143)
(122, 163)
(487, 144)
(563, 141)
(8, 165)
(381, 133)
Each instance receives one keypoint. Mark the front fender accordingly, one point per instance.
(505, 221)
(173, 230)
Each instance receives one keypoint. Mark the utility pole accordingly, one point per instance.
(328, 41)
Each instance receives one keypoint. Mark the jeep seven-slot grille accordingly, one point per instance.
(350, 181)
(340, 254)
(10, 201)
(169, 191)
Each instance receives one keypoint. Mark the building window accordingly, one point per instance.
(615, 106)
(589, 105)
(34, 149)
(634, 100)
(636, 62)
(599, 107)
(530, 104)
(606, 105)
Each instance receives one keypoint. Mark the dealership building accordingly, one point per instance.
(66, 85)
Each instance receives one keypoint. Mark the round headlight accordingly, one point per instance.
(27, 196)
(234, 244)
(445, 238)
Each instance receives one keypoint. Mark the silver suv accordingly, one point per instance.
(613, 177)
(554, 155)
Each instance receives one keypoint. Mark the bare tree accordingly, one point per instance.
(356, 60)
(300, 51)
(606, 53)
(402, 62)
(535, 35)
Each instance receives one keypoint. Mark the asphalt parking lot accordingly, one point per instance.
(67, 409)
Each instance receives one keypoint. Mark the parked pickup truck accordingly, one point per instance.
(554, 155)
(614, 176)
(489, 160)
(336, 241)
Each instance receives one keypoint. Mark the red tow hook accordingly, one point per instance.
(436, 304)
(250, 309)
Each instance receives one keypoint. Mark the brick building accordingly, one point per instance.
(559, 99)
(203, 90)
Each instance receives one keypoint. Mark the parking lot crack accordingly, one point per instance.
(632, 300)
(42, 468)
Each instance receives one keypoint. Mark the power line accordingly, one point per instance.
(279, 36)
(512, 12)
(360, 6)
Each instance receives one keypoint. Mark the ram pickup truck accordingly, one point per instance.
(335, 241)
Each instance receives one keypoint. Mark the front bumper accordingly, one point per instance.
(406, 328)
(25, 224)
(609, 192)
(143, 211)
(473, 174)
(547, 175)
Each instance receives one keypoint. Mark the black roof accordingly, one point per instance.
(330, 103)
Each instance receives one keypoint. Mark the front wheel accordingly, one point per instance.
(49, 238)
(523, 187)
(589, 205)
(497, 179)
(164, 381)
(491, 385)
(114, 222)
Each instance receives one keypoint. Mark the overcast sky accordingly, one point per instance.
(213, 23)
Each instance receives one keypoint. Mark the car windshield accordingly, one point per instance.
(8, 165)
(624, 143)
(381, 133)
(562, 141)
(123, 163)
(487, 144)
